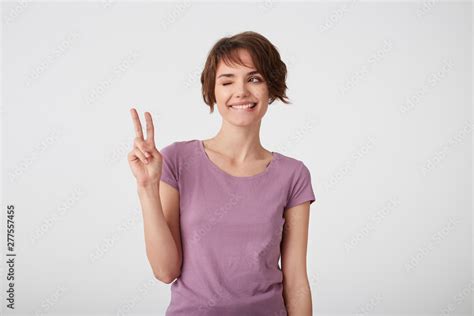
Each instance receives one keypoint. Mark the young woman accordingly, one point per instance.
(218, 213)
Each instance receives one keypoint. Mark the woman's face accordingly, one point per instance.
(238, 84)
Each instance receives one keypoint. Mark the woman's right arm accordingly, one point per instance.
(160, 208)
(159, 203)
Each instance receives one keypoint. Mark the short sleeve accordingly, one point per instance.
(301, 188)
(169, 170)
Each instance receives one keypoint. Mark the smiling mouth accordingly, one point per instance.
(243, 106)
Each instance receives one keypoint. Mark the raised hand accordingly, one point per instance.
(144, 159)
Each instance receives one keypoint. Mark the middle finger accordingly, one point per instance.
(150, 129)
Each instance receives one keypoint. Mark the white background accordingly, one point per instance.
(381, 115)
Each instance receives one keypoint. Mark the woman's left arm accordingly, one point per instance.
(296, 289)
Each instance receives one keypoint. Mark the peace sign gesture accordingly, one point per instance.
(144, 159)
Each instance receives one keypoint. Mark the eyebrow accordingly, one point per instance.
(232, 75)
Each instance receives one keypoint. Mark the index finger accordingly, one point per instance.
(136, 123)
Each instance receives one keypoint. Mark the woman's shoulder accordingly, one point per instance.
(299, 181)
(289, 163)
(294, 170)
(180, 148)
(179, 144)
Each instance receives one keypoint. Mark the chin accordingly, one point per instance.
(242, 122)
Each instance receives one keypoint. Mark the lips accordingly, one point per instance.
(243, 106)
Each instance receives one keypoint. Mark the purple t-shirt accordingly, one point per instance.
(231, 229)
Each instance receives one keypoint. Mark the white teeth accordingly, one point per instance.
(244, 106)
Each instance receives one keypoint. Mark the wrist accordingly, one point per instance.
(147, 185)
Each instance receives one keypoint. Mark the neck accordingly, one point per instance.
(239, 143)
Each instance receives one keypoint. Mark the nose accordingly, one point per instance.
(241, 90)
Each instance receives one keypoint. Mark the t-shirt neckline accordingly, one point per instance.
(228, 175)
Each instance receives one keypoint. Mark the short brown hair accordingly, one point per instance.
(264, 55)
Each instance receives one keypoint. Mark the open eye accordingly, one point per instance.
(225, 84)
(259, 80)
